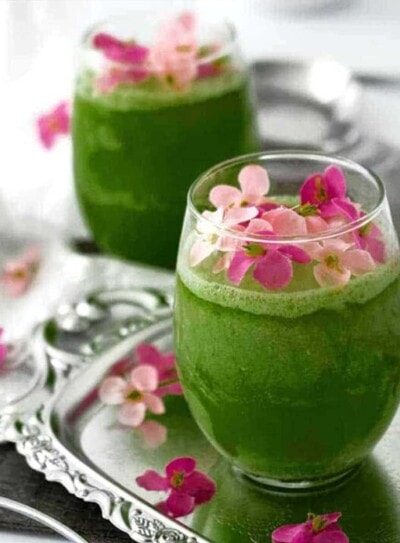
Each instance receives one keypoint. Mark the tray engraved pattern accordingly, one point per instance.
(42, 451)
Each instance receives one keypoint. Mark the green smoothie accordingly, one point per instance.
(291, 385)
(137, 150)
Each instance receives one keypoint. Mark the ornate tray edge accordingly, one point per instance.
(43, 454)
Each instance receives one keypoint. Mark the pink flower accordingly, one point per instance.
(272, 262)
(124, 52)
(3, 349)
(369, 237)
(165, 365)
(153, 433)
(17, 275)
(338, 262)
(136, 395)
(209, 239)
(327, 191)
(173, 57)
(254, 183)
(54, 124)
(114, 77)
(317, 529)
(187, 486)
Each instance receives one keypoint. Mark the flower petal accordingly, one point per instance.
(179, 504)
(200, 251)
(201, 487)
(151, 480)
(146, 353)
(335, 182)
(144, 378)
(132, 413)
(328, 536)
(225, 196)
(316, 224)
(377, 249)
(285, 534)
(254, 181)
(154, 403)
(154, 434)
(274, 271)
(328, 277)
(358, 261)
(184, 464)
(239, 215)
(309, 190)
(286, 222)
(239, 266)
(295, 253)
(112, 390)
(174, 389)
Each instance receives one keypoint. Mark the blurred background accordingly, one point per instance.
(38, 57)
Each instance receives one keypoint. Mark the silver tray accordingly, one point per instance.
(65, 433)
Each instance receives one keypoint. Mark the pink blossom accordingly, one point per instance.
(272, 262)
(17, 275)
(124, 52)
(114, 77)
(135, 395)
(209, 239)
(369, 238)
(54, 124)
(187, 487)
(327, 191)
(254, 184)
(3, 349)
(165, 364)
(317, 529)
(173, 57)
(153, 433)
(338, 261)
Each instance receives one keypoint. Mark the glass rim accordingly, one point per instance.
(228, 44)
(330, 233)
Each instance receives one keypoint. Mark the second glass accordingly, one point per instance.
(156, 103)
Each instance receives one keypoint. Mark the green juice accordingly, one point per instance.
(137, 150)
(292, 385)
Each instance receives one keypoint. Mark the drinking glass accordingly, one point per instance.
(287, 330)
(145, 126)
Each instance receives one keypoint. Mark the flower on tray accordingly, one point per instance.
(3, 349)
(17, 275)
(271, 238)
(138, 383)
(136, 395)
(165, 365)
(316, 529)
(54, 124)
(186, 486)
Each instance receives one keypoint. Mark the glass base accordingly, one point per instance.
(299, 487)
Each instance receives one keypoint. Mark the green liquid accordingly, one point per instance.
(291, 385)
(137, 150)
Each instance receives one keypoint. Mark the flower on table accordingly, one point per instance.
(186, 486)
(3, 349)
(17, 275)
(54, 124)
(136, 395)
(316, 529)
(338, 262)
